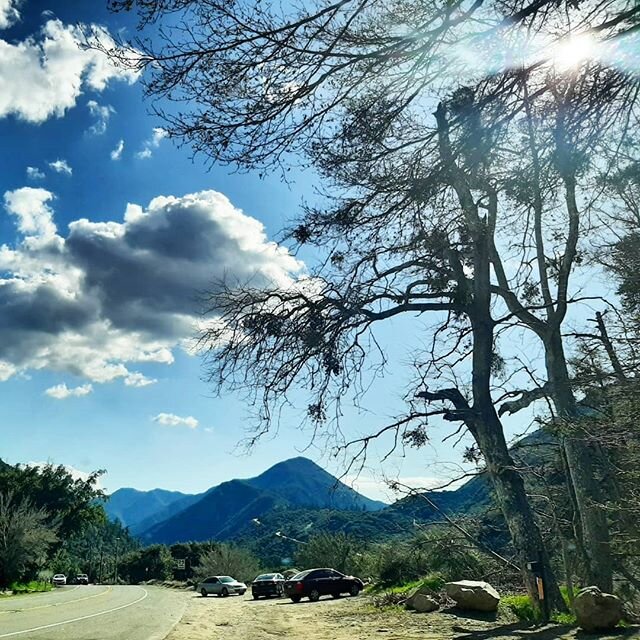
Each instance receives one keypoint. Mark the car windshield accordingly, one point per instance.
(301, 575)
(226, 579)
(266, 576)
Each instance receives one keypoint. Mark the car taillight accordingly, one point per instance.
(299, 586)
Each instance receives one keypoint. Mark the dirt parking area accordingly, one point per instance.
(215, 618)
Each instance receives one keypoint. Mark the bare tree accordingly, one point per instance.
(350, 86)
(26, 534)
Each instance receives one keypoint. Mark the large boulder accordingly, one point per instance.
(473, 595)
(424, 604)
(422, 599)
(597, 611)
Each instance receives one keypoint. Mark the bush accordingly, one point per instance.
(339, 551)
(34, 586)
(228, 559)
(520, 606)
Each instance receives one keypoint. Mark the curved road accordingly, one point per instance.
(97, 612)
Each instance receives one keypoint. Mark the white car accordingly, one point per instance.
(222, 586)
(59, 579)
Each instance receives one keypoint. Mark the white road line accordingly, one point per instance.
(59, 624)
(56, 604)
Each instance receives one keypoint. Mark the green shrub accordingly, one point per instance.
(520, 606)
(34, 586)
(434, 581)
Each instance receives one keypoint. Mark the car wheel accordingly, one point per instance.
(204, 593)
(355, 590)
(295, 599)
(314, 595)
(224, 593)
(255, 597)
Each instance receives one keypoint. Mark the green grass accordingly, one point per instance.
(433, 581)
(521, 607)
(34, 586)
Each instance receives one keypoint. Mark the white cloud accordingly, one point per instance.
(7, 370)
(101, 113)
(172, 420)
(136, 379)
(33, 173)
(111, 294)
(9, 13)
(62, 392)
(61, 166)
(116, 154)
(157, 136)
(43, 76)
(30, 207)
(77, 474)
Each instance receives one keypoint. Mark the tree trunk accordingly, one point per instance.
(489, 433)
(582, 458)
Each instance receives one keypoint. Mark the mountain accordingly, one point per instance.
(474, 497)
(303, 483)
(299, 498)
(226, 510)
(132, 507)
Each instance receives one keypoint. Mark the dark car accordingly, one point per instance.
(314, 583)
(268, 584)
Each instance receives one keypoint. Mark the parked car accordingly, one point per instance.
(268, 584)
(222, 586)
(59, 579)
(314, 583)
(82, 578)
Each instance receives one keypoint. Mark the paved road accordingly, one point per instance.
(93, 613)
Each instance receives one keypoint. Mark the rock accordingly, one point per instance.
(422, 599)
(596, 610)
(473, 595)
(424, 604)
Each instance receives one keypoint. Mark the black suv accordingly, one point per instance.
(314, 583)
(268, 584)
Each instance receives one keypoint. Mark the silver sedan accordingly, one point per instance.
(222, 586)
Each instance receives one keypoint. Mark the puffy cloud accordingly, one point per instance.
(61, 166)
(33, 173)
(62, 392)
(42, 77)
(9, 13)
(116, 154)
(101, 113)
(113, 294)
(157, 136)
(30, 207)
(137, 379)
(172, 420)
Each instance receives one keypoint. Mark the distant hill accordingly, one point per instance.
(132, 507)
(300, 498)
(224, 511)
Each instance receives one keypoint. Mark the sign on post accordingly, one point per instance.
(181, 564)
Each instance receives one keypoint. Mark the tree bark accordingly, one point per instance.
(482, 418)
(583, 464)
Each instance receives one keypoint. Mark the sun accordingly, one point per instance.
(569, 53)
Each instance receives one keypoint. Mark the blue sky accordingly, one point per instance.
(107, 231)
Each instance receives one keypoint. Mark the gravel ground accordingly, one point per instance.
(350, 619)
